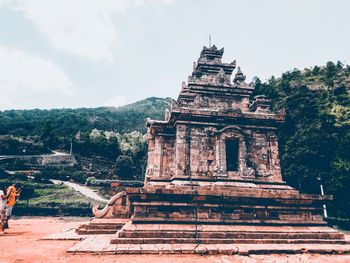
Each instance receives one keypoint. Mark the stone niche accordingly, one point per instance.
(232, 158)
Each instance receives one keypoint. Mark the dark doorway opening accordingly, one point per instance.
(232, 155)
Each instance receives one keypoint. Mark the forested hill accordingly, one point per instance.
(67, 122)
(315, 140)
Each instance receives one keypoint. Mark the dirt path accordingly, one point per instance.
(83, 190)
(22, 244)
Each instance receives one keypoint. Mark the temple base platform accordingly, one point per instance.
(187, 217)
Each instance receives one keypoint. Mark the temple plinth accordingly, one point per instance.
(213, 173)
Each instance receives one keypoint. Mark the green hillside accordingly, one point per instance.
(106, 141)
(55, 128)
(67, 122)
(315, 140)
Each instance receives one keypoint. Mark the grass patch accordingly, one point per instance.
(49, 199)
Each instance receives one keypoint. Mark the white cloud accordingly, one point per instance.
(117, 101)
(24, 75)
(79, 27)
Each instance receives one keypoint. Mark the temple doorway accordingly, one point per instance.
(232, 155)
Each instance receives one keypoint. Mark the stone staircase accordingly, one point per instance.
(101, 226)
(226, 234)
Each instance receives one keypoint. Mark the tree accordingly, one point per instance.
(330, 74)
(124, 167)
(47, 135)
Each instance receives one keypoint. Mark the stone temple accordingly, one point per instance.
(213, 174)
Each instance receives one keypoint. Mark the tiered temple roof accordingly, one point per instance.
(212, 94)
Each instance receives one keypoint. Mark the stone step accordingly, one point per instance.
(98, 226)
(84, 231)
(230, 235)
(224, 241)
(227, 228)
(192, 220)
(108, 221)
(100, 244)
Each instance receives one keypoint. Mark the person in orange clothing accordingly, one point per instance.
(12, 193)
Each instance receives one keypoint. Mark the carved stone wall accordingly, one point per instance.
(168, 156)
(157, 156)
(150, 154)
(202, 152)
(275, 166)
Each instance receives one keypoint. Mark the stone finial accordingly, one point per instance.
(221, 77)
(183, 86)
(211, 53)
(190, 78)
(212, 48)
(194, 65)
(174, 105)
(261, 104)
(239, 77)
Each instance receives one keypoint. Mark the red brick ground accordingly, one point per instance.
(22, 244)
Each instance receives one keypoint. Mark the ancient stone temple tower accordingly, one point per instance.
(213, 173)
(213, 131)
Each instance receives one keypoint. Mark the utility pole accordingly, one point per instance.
(322, 194)
(71, 147)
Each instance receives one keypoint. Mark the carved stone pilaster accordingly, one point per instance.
(157, 160)
(220, 155)
(180, 150)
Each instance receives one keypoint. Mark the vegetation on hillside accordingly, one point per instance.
(57, 127)
(315, 140)
(107, 142)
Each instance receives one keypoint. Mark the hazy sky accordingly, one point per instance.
(88, 53)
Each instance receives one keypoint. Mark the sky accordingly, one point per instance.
(91, 53)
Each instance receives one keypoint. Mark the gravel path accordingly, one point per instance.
(86, 191)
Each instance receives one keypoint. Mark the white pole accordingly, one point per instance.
(324, 206)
